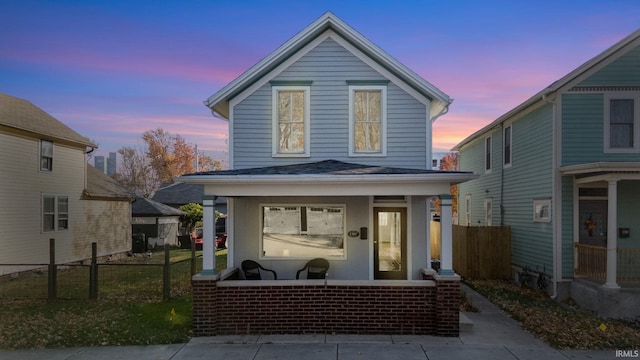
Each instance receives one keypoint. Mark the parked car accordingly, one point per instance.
(221, 239)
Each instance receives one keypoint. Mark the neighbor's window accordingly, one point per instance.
(291, 120)
(46, 155)
(55, 212)
(303, 231)
(622, 131)
(367, 120)
(487, 154)
(507, 146)
(542, 210)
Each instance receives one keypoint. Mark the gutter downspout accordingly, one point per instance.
(556, 226)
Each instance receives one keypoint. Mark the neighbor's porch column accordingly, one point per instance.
(446, 235)
(612, 236)
(208, 234)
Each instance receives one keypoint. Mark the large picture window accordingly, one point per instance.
(291, 120)
(303, 231)
(55, 213)
(367, 120)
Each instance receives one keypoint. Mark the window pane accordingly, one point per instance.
(621, 123)
(46, 148)
(374, 105)
(284, 106)
(323, 235)
(63, 204)
(360, 135)
(367, 118)
(360, 106)
(48, 222)
(49, 204)
(374, 137)
(297, 106)
(291, 112)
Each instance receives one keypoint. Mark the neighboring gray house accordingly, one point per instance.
(563, 170)
(179, 193)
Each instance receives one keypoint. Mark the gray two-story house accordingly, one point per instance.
(562, 170)
(330, 156)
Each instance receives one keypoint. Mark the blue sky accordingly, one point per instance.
(114, 69)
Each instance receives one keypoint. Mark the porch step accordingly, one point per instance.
(466, 325)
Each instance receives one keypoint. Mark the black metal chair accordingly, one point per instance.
(252, 269)
(316, 269)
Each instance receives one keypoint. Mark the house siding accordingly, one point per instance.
(513, 189)
(623, 71)
(407, 123)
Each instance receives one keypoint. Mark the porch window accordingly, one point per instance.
(291, 120)
(303, 231)
(55, 213)
(622, 131)
(46, 155)
(367, 120)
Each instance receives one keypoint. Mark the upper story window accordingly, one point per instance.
(291, 113)
(622, 127)
(46, 155)
(507, 146)
(367, 120)
(487, 154)
(55, 213)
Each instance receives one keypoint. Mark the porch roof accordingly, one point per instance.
(603, 171)
(325, 178)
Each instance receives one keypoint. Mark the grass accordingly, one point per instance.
(121, 318)
(559, 325)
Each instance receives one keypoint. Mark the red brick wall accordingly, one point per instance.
(342, 308)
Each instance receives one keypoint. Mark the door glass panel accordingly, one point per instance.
(389, 241)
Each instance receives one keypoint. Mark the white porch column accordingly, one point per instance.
(208, 234)
(446, 235)
(612, 236)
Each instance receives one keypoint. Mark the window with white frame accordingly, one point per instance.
(542, 210)
(55, 213)
(467, 204)
(367, 120)
(46, 155)
(622, 122)
(488, 213)
(303, 231)
(291, 112)
(507, 146)
(487, 154)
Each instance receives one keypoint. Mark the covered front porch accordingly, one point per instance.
(370, 223)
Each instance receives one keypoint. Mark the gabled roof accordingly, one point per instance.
(564, 83)
(219, 102)
(102, 187)
(21, 115)
(147, 207)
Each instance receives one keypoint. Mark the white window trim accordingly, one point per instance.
(468, 209)
(504, 145)
(488, 211)
(56, 213)
(275, 126)
(488, 164)
(636, 121)
(383, 121)
(537, 204)
(261, 255)
(46, 170)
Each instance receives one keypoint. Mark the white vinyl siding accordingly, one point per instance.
(622, 123)
(291, 112)
(367, 120)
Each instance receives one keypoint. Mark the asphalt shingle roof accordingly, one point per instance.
(102, 186)
(147, 207)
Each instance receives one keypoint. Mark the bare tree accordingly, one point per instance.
(135, 172)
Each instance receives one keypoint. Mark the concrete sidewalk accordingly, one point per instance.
(494, 336)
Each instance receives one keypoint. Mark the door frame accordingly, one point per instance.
(388, 275)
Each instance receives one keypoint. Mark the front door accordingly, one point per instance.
(593, 222)
(390, 243)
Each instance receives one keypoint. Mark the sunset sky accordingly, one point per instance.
(114, 69)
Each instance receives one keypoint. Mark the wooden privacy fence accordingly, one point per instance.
(479, 252)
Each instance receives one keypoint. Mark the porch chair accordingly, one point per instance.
(252, 269)
(316, 269)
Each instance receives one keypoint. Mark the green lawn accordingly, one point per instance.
(125, 319)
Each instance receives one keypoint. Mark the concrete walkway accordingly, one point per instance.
(494, 336)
